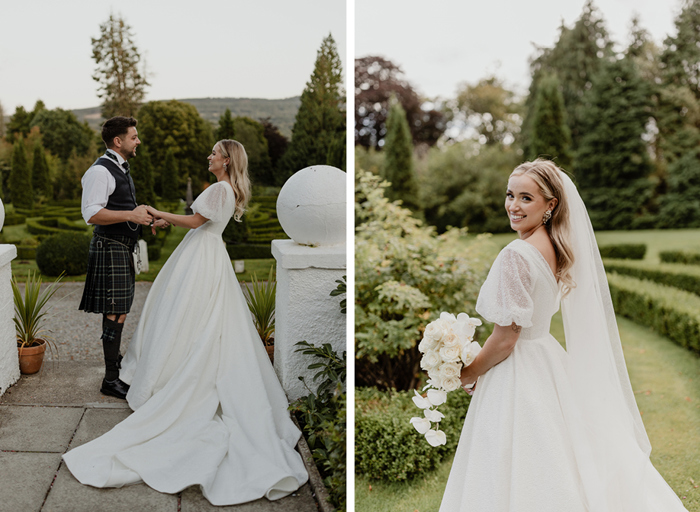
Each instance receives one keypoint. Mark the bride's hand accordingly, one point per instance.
(154, 213)
(468, 380)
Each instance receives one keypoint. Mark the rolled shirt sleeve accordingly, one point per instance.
(98, 184)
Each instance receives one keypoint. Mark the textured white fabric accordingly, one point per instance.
(211, 203)
(209, 409)
(530, 443)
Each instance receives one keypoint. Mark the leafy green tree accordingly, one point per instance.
(680, 59)
(170, 176)
(463, 185)
(62, 133)
(19, 125)
(21, 177)
(142, 174)
(492, 108)
(321, 115)
(680, 206)
(175, 125)
(398, 161)
(226, 129)
(41, 180)
(251, 134)
(122, 86)
(550, 135)
(276, 142)
(612, 163)
(70, 171)
(575, 58)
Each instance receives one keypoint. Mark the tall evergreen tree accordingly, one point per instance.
(680, 206)
(170, 175)
(41, 181)
(575, 59)
(122, 86)
(142, 174)
(550, 135)
(226, 129)
(21, 177)
(251, 134)
(680, 58)
(612, 163)
(321, 115)
(398, 158)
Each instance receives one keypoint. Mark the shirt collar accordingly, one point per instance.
(120, 158)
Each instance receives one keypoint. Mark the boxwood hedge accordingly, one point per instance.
(684, 277)
(687, 257)
(624, 251)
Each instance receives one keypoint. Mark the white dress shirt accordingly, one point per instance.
(98, 184)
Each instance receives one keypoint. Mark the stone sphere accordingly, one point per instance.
(311, 206)
(2, 214)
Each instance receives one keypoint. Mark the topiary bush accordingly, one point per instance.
(670, 312)
(624, 251)
(65, 252)
(387, 447)
(249, 251)
(683, 277)
(687, 257)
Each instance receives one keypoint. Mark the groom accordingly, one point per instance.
(109, 203)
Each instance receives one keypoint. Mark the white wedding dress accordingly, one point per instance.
(208, 408)
(526, 446)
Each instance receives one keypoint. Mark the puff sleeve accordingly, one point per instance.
(505, 297)
(211, 203)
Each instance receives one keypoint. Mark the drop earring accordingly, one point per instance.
(547, 215)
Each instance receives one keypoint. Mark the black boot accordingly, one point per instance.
(111, 341)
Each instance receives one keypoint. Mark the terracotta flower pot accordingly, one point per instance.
(31, 358)
(271, 352)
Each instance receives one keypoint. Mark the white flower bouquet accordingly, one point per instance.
(447, 345)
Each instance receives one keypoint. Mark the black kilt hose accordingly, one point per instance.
(109, 283)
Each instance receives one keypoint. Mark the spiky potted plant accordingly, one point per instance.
(29, 321)
(261, 302)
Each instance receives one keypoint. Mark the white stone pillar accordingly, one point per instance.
(9, 362)
(305, 311)
(311, 210)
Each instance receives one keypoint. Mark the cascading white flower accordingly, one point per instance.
(447, 346)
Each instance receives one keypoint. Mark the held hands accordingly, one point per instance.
(140, 215)
(158, 221)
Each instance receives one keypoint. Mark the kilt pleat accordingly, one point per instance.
(109, 283)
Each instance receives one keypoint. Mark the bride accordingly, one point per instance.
(550, 429)
(208, 408)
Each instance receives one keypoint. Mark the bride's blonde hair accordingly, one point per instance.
(548, 178)
(237, 169)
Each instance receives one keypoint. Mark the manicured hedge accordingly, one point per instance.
(387, 447)
(249, 251)
(26, 252)
(670, 312)
(14, 219)
(684, 277)
(624, 251)
(66, 252)
(52, 226)
(687, 257)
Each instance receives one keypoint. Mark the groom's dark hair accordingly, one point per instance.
(116, 127)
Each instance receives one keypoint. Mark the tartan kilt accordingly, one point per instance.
(109, 283)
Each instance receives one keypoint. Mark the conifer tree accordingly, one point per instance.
(321, 115)
(21, 177)
(226, 128)
(142, 174)
(41, 181)
(612, 163)
(398, 158)
(122, 86)
(550, 135)
(680, 206)
(170, 176)
(575, 59)
(680, 58)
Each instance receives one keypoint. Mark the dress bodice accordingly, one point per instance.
(520, 288)
(217, 204)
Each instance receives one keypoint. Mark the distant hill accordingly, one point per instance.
(281, 112)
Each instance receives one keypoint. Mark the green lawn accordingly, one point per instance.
(666, 381)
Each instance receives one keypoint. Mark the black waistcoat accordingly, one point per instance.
(123, 198)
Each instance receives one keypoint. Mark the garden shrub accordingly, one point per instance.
(26, 252)
(624, 251)
(14, 219)
(249, 251)
(51, 226)
(669, 311)
(388, 447)
(405, 275)
(684, 277)
(687, 257)
(66, 252)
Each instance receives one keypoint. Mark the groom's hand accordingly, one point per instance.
(140, 215)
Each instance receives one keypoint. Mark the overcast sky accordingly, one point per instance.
(441, 43)
(192, 48)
